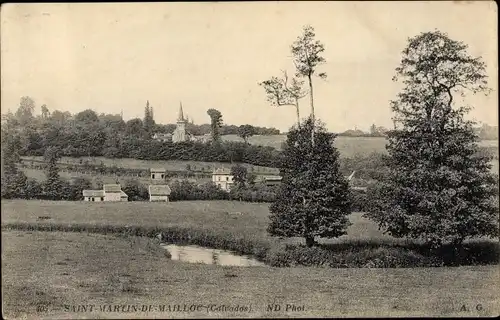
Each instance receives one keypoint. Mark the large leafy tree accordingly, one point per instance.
(313, 198)
(24, 113)
(245, 131)
(439, 188)
(87, 116)
(239, 174)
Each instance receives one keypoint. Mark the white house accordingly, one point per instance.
(157, 173)
(223, 178)
(159, 192)
(110, 192)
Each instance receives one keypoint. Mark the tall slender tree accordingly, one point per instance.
(307, 56)
(215, 123)
(148, 122)
(53, 187)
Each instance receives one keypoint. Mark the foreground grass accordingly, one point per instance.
(53, 269)
(240, 227)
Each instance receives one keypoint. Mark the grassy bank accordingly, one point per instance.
(73, 269)
(239, 227)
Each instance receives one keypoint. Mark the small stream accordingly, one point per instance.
(196, 254)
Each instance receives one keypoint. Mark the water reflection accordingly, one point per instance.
(195, 254)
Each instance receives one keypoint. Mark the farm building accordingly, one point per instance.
(223, 178)
(162, 137)
(93, 195)
(159, 192)
(157, 173)
(110, 192)
(269, 180)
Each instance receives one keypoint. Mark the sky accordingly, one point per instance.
(113, 57)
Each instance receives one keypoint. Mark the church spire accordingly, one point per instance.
(181, 114)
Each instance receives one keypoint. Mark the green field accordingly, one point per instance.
(40, 176)
(213, 215)
(347, 146)
(169, 165)
(66, 268)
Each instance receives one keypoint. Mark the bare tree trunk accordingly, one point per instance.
(297, 109)
(307, 236)
(311, 96)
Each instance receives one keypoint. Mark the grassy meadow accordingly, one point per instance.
(169, 165)
(41, 176)
(347, 146)
(62, 270)
(243, 219)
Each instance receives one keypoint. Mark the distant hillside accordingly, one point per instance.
(347, 146)
(487, 132)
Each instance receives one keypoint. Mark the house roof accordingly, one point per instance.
(93, 193)
(158, 170)
(159, 190)
(222, 171)
(112, 188)
(272, 177)
(123, 194)
(359, 188)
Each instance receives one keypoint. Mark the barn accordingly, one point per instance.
(93, 195)
(159, 192)
(158, 173)
(110, 192)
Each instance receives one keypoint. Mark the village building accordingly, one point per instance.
(181, 134)
(269, 180)
(158, 174)
(93, 195)
(159, 192)
(223, 178)
(110, 192)
(164, 137)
